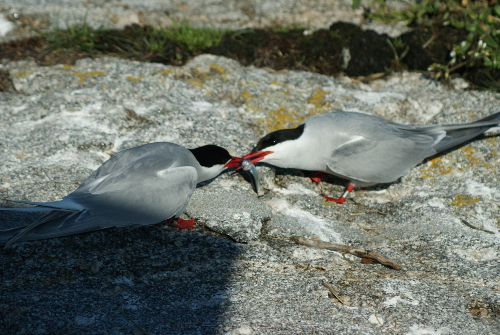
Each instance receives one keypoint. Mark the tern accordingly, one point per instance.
(138, 186)
(362, 148)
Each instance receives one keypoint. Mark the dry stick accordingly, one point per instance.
(317, 243)
(334, 292)
(135, 323)
(476, 228)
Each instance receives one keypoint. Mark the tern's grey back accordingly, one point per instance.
(369, 150)
(167, 155)
(142, 185)
(138, 186)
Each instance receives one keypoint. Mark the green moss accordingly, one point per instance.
(195, 39)
(479, 20)
(81, 37)
(448, 37)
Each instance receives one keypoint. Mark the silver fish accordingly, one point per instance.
(248, 166)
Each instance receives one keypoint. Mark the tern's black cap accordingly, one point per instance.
(210, 155)
(279, 136)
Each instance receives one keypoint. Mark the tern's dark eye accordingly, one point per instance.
(267, 141)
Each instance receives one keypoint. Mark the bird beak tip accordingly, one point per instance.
(234, 162)
(256, 156)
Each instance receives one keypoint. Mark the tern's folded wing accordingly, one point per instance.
(382, 161)
(156, 198)
(145, 199)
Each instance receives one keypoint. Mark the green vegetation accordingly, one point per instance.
(135, 41)
(82, 38)
(449, 38)
(479, 19)
(194, 39)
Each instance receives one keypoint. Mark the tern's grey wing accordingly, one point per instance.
(136, 202)
(373, 150)
(139, 195)
(371, 162)
(151, 157)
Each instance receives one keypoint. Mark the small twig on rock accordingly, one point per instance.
(317, 243)
(334, 292)
(135, 323)
(369, 210)
(476, 228)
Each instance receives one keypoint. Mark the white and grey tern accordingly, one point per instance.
(138, 186)
(362, 148)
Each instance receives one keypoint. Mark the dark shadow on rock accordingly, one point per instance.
(173, 281)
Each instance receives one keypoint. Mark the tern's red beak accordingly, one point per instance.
(234, 162)
(254, 157)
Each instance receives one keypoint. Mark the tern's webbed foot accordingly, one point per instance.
(317, 176)
(185, 224)
(332, 201)
(328, 201)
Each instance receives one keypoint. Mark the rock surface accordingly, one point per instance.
(239, 273)
(440, 223)
(22, 18)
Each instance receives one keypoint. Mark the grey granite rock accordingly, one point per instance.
(440, 223)
(239, 216)
(21, 18)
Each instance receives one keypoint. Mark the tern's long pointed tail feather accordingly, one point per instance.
(458, 134)
(17, 233)
(67, 204)
(27, 209)
(54, 224)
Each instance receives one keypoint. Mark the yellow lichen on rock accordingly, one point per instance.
(217, 68)
(20, 155)
(86, 75)
(494, 142)
(196, 82)
(317, 98)
(436, 165)
(24, 73)
(200, 75)
(138, 78)
(464, 200)
(281, 118)
(474, 157)
(251, 101)
(168, 71)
